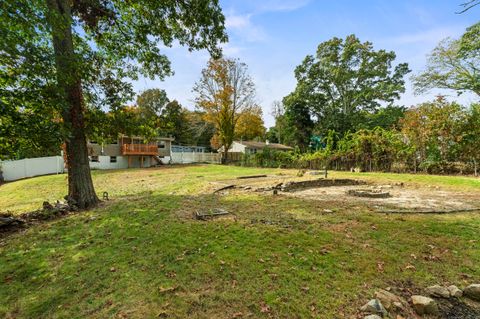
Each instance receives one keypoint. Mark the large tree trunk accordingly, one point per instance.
(80, 185)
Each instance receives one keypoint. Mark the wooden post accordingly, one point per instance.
(129, 160)
(141, 162)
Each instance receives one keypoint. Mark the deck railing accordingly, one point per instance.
(139, 149)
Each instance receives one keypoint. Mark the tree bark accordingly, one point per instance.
(80, 184)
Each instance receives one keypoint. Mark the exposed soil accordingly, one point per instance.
(402, 198)
(453, 308)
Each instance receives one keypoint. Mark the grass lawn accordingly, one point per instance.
(142, 255)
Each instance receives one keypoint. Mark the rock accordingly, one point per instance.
(372, 317)
(398, 305)
(424, 305)
(47, 206)
(454, 291)
(472, 292)
(389, 300)
(385, 187)
(374, 306)
(438, 291)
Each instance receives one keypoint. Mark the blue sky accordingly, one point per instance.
(273, 37)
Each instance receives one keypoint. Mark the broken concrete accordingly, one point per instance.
(294, 186)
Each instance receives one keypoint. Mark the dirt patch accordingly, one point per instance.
(401, 199)
(333, 193)
(453, 308)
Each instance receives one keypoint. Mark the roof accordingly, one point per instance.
(261, 145)
(153, 139)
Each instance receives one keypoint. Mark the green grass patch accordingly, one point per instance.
(141, 255)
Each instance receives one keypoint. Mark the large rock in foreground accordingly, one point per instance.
(389, 300)
(455, 291)
(438, 291)
(472, 292)
(424, 305)
(374, 306)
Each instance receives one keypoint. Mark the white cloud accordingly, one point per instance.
(237, 21)
(243, 27)
(426, 36)
(280, 5)
(230, 50)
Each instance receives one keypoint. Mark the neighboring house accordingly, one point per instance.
(188, 149)
(129, 152)
(251, 147)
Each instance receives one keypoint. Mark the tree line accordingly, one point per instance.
(344, 112)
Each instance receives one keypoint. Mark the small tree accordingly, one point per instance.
(433, 130)
(250, 125)
(470, 140)
(224, 92)
(151, 102)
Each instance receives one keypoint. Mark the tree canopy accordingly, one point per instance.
(453, 65)
(342, 82)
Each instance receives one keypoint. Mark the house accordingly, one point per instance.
(252, 147)
(128, 152)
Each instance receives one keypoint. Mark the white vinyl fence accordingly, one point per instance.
(29, 167)
(195, 157)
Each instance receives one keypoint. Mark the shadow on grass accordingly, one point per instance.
(146, 256)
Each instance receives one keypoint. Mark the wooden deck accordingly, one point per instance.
(139, 149)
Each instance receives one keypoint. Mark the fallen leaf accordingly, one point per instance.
(410, 267)
(380, 267)
(264, 308)
(431, 258)
(167, 289)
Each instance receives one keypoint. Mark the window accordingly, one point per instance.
(93, 142)
(113, 159)
(94, 159)
(161, 144)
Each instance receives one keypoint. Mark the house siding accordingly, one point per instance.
(95, 149)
